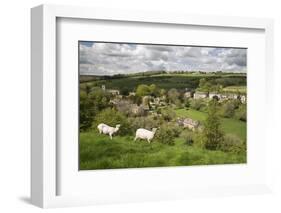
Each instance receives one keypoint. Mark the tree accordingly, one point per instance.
(216, 88)
(241, 113)
(165, 134)
(229, 107)
(212, 133)
(124, 91)
(168, 114)
(143, 90)
(90, 104)
(153, 90)
(202, 82)
(197, 104)
(173, 95)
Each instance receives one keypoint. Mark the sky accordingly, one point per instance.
(98, 58)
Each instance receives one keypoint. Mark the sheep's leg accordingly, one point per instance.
(110, 135)
(135, 138)
(148, 140)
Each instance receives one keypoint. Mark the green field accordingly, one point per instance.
(99, 152)
(229, 125)
(236, 89)
(165, 81)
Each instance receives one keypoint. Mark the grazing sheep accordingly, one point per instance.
(108, 130)
(145, 134)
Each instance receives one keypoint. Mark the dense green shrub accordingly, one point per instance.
(198, 140)
(241, 112)
(168, 114)
(188, 137)
(166, 135)
(112, 117)
(173, 96)
(229, 107)
(197, 104)
(91, 102)
(143, 90)
(124, 91)
(187, 103)
(232, 143)
(147, 122)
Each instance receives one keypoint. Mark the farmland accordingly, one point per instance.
(165, 81)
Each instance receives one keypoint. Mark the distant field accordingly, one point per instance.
(166, 81)
(235, 89)
(99, 152)
(229, 125)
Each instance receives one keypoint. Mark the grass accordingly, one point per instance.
(229, 125)
(193, 114)
(99, 152)
(235, 89)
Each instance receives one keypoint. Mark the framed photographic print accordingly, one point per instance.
(129, 106)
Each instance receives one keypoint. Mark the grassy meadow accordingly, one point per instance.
(99, 152)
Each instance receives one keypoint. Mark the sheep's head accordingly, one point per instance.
(154, 130)
(118, 126)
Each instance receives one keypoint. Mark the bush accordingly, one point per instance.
(187, 103)
(173, 96)
(168, 114)
(143, 90)
(188, 137)
(241, 113)
(124, 91)
(124, 107)
(198, 140)
(112, 117)
(233, 144)
(166, 135)
(197, 104)
(148, 122)
(91, 102)
(229, 107)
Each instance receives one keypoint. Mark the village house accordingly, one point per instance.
(187, 95)
(199, 95)
(137, 110)
(188, 123)
(132, 94)
(111, 91)
(213, 95)
(155, 102)
(243, 99)
(232, 96)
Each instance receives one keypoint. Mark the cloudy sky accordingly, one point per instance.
(114, 58)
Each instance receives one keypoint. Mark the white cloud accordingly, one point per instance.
(114, 58)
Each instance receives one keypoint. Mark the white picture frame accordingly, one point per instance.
(44, 154)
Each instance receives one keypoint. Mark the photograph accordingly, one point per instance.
(147, 105)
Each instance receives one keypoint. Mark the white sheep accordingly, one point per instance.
(145, 134)
(108, 130)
